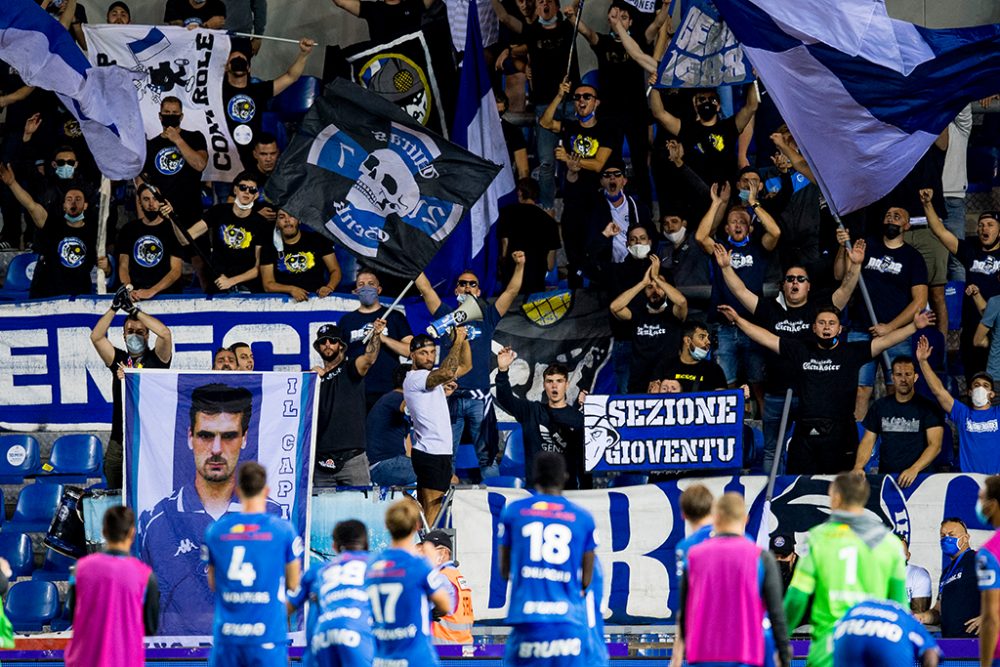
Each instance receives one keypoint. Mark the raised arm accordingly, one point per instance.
(855, 259)
(679, 303)
(449, 368)
(670, 122)
(37, 212)
(662, 19)
(513, 288)
(772, 232)
(99, 337)
(792, 154)
(297, 68)
(349, 6)
(367, 360)
(944, 399)
(723, 258)
(514, 24)
(712, 218)
(426, 290)
(548, 119)
(164, 347)
(581, 27)
(882, 343)
(757, 334)
(948, 240)
(643, 59)
(619, 307)
(744, 115)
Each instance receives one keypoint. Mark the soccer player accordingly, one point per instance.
(252, 558)
(399, 583)
(547, 554)
(338, 629)
(876, 633)
(850, 558)
(988, 572)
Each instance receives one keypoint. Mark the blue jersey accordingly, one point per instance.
(169, 539)
(680, 560)
(547, 537)
(248, 553)
(340, 616)
(597, 649)
(399, 584)
(875, 633)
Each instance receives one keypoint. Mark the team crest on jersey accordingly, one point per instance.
(241, 108)
(299, 262)
(169, 161)
(237, 238)
(72, 251)
(148, 251)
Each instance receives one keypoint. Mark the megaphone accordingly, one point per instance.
(469, 311)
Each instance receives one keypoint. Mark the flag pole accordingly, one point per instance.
(576, 35)
(391, 308)
(273, 39)
(779, 450)
(102, 231)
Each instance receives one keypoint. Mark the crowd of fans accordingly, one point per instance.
(736, 208)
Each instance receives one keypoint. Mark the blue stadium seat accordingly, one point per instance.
(19, 458)
(512, 463)
(75, 458)
(293, 102)
(466, 458)
(55, 567)
(36, 505)
(62, 622)
(15, 548)
(19, 274)
(271, 122)
(504, 482)
(31, 605)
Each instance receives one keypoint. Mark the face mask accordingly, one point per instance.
(892, 231)
(739, 244)
(744, 196)
(73, 218)
(980, 397)
(368, 296)
(243, 207)
(826, 343)
(461, 298)
(639, 250)
(707, 111)
(675, 237)
(979, 513)
(699, 354)
(949, 546)
(65, 171)
(786, 572)
(150, 215)
(547, 22)
(173, 120)
(135, 344)
(239, 65)
(614, 199)
(587, 118)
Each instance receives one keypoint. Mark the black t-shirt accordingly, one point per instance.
(183, 11)
(686, 264)
(245, 109)
(149, 249)
(586, 142)
(341, 423)
(548, 53)
(959, 595)
(826, 380)
(889, 274)
(356, 326)
(387, 22)
(701, 376)
(903, 427)
(148, 359)
(67, 254)
(533, 231)
(386, 428)
(655, 336)
(513, 137)
(169, 171)
(981, 268)
(711, 151)
(749, 261)
(235, 240)
(787, 322)
(301, 263)
(620, 79)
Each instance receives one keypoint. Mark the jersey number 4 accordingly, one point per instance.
(549, 542)
(240, 570)
(384, 598)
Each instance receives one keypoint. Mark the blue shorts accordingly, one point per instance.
(547, 645)
(854, 651)
(337, 647)
(248, 655)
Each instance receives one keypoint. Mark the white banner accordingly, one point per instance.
(175, 62)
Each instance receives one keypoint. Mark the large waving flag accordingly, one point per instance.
(704, 53)
(102, 99)
(477, 127)
(864, 95)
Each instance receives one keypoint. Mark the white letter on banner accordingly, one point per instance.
(14, 365)
(192, 335)
(650, 520)
(77, 359)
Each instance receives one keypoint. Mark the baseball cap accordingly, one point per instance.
(420, 341)
(439, 538)
(329, 332)
(990, 214)
(782, 544)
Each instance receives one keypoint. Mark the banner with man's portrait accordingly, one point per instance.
(186, 433)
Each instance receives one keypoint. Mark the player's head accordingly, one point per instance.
(954, 537)
(550, 472)
(402, 519)
(219, 415)
(244, 356)
(350, 535)
(696, 503)
(423, 352)
(437, 547)
(251, 481)
(849, 492)
(988, 503)
(118, 526)
(730, 513)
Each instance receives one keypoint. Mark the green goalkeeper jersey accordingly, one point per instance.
(842, 566)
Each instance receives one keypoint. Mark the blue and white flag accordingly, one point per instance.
(704, 53)
(102, 100)
(863, 94)
(477, 127)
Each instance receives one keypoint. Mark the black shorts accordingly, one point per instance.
(433, 470)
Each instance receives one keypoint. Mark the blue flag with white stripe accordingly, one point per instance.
(704, 53)
(477, 128)
(103, 99)
(863, 94)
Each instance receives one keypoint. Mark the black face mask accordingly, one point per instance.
(786, 570)
(150, 215)
(892, 231)
(707, 111)
(239, 65)
(825, 343)
(173, 120)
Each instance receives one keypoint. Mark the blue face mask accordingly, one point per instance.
(700, 354)
(744, 196)
(740, 244)
(367, 295)
(949, 546)
(73, 218)
(980, 515)
(551, 21)
(65, 171)
(587, 118)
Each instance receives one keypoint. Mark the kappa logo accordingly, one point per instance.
(184, 547)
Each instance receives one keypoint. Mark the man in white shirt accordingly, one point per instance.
(423, 391)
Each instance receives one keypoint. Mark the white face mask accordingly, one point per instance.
(675, 237)
(980, 397)
(639, 250)
(243, 207)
